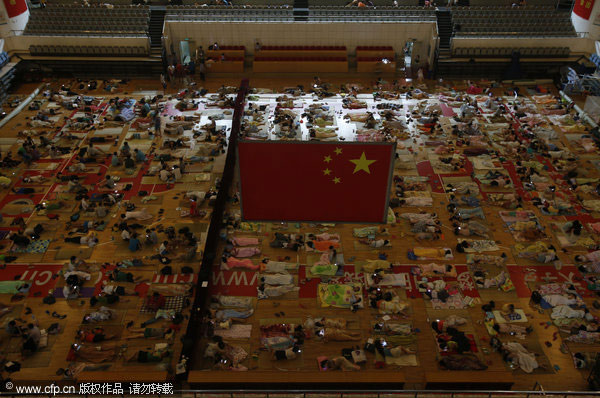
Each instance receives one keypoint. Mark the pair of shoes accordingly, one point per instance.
(57, 315)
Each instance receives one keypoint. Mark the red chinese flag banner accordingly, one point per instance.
(583, 8)
(315, 181)
(15, 7)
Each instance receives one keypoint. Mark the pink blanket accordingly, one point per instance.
(240, 241)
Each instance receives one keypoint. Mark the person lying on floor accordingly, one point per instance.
(517, 354)
(276, 279)
(461, 214)
(94, 335)
(267, 265)
(109, 288)
(287, 241)
(104, 299)
(243, 241)
(451, 321)
(289, 353)
(324, 237)
(434, 269)
(488, 259)
(434, 290)
(33, 179)
(539, 251)
(223, 315)
(471, 228)
(175, 317)
(334, 334)
(151, 333)
(512, 329)
(453, 340)
(119, 276)
(591, 257)
(149, 356)
(19, 240)
(426, 226)
(140, 215)
(268, 291)
(312, 323)
(387, 302)
(92, 353)
(338, 363)
(34, 231)
(376, 243)
(89, 240)
(413, 218)
(245, 251)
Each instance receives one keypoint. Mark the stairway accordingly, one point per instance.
(7, 74)
(445, 28)
(155, 28)
(565, 5)
(300, 10)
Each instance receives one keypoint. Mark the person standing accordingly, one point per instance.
(171, 72)
(202, 70)
(179, 72)
(157, 124)
(193, 207)
(200, 55)
(163, 82)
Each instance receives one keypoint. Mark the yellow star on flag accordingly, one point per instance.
(362, 164)
(327, 159)
(336, 180)
(338, 151)
(326, 172)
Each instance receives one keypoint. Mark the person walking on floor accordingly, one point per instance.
(163, 82)
(202, 70)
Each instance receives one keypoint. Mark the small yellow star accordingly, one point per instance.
(338, 151)
(362, 164)
(326, 172)
(336, 180)
(327, 159)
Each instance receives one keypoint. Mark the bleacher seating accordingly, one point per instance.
(230, 64)
(383, 13)
(375, 64)
(7, 74)
(375, 51)
(526, 52)
(502, 21)
(300, 64)
(230, 13)
(301, 51)
(89, 51)
(228, 51)
(72, 20)
(376, 3)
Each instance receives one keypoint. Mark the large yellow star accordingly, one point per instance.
(336, 180)
(362, 164)
(326, 172)
(338, 151)
(327, 159)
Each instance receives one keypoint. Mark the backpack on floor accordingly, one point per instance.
(187, 270)
(168, 270)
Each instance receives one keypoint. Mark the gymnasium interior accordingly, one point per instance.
(292, 198)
